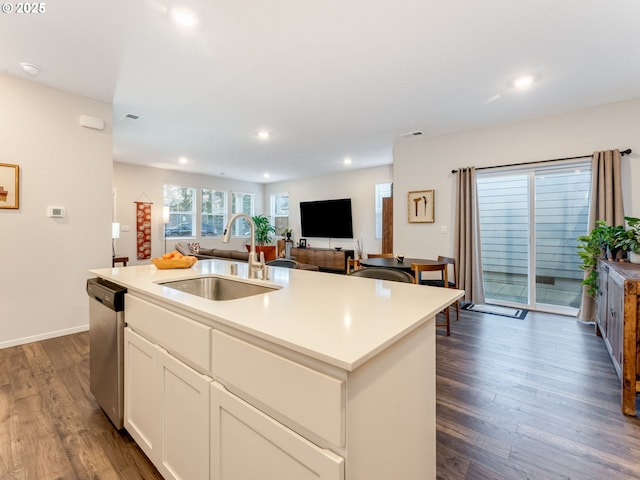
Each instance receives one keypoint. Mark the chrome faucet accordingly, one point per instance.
(255, 266)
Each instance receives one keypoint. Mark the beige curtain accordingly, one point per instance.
(467, 236)
(606, 204)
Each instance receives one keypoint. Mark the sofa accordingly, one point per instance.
(222, 254)
(209, 253)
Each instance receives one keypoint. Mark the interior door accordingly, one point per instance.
(387, 225)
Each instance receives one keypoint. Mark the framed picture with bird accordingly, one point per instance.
(420, 205)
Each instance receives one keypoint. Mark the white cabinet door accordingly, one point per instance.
(246, 444)
(167, 410)
(141, 392)
(184, 420)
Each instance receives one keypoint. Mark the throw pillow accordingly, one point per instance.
(194, 248)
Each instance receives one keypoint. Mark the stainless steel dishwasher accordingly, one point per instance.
(106, 342)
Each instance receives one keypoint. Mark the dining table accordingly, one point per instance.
(404, 265)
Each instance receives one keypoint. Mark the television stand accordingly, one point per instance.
(327, 259)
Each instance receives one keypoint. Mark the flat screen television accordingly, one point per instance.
(326, 218)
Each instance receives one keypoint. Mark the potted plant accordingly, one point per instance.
(612, 237)
(263, 238)
(630, 239)
(591, 248)
(287, 232)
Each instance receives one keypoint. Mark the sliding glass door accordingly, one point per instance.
(529, 224)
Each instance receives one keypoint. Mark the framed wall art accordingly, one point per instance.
(421, 206)
(9, 186)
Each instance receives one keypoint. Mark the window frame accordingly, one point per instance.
(279, 220)
(242, 225)
(223, 216)
(168, 201)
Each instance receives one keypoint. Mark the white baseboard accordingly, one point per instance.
(44, 336)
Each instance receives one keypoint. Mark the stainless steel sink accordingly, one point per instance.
(218, 288)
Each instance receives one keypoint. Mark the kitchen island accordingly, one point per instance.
(325, 376)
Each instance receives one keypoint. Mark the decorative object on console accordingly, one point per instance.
(629, 240)
(302, 243)
(359, 250)
(9, 186)
(421, 206)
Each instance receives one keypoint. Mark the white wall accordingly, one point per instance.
(133, 182)
(359, 185)
(44, 261)
(426, 164)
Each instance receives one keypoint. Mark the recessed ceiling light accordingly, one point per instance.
(183, 160)
(266, 175)
(30, 68)
(184, 17)
(347, 160)
(263, 135)
(523, 82)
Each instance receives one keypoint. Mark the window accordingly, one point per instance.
(280, 212)
(213, 213)
(529, 224)
(382, 190)
(181, 203)
(241, 203)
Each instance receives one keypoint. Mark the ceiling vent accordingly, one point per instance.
(130, 117)
(411, 134)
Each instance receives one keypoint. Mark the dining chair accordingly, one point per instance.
(283, 262)
(353, 264)
(453, 282)
(418, 268)
(379, 255)
(383, 274)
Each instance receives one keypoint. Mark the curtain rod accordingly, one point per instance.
(624, 152)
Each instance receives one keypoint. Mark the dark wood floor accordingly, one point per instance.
(530, 399)
(50, 425)
(517, 399)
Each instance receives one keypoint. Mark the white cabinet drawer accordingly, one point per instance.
(247, 444)
(309, 398)
(186, 338)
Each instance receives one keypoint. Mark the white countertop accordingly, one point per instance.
(334, 318)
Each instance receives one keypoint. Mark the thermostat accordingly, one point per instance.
(55, 212)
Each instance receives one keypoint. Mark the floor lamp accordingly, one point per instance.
(115, 233)
(165, 221)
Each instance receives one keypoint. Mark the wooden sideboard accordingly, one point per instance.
(617, 321)
(328, 259)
